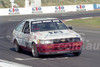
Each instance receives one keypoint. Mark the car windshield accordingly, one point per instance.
(47, 25)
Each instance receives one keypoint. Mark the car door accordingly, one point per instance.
(18, 33)
(26, 34)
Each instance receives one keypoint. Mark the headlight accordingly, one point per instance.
(46, 42)
(81, 39)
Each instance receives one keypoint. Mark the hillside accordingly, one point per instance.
(6, 3)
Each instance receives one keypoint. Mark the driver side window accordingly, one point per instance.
(26, 29)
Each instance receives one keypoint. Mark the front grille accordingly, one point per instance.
(66, 40)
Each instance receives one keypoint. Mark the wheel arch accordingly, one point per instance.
(33, 43)
(15, 40)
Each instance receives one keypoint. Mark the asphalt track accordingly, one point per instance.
(90, 56)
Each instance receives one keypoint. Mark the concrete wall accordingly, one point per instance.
(47, 9)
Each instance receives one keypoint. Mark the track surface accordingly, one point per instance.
(90, 56)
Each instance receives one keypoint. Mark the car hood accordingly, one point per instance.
(56, 34)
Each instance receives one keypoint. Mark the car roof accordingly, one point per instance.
(37, 19)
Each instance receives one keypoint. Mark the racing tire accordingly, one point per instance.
(35, 51)
(17, 48)
(77, 53)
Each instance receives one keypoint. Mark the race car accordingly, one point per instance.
(46, 36)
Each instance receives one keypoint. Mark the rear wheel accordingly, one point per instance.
(35, 51)
(77, 53)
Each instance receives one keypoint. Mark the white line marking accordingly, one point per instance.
(8, 36)
(1, 37)
(44, 59)
(55, 58)
(14, 20)
(21, 59)
(69, 20)
(62, 58)
(51, 59)
(78, 18)
(87, 40)
(82, 34)
(86, 17)
(4, 63)
(66, 57)
(89, 31)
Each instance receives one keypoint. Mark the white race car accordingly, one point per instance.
(44, 36)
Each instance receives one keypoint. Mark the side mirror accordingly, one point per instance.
(70, 27)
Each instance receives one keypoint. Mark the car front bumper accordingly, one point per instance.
(60, 48)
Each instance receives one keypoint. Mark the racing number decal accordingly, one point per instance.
(56, 32)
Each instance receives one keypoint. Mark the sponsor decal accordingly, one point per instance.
(55, 32)
(77, 44)
(59, 9)
(38, 41)
(36, 10)
(96, 6)
(80, 8)
(14, 11)
(38, 33)
(46, 21)
(49, 47)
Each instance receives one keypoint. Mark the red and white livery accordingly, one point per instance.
(44, 36)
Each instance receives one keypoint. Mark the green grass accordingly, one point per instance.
(67, 2)
(91, 23)
(21, 3)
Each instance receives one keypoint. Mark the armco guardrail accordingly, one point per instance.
(49, 9)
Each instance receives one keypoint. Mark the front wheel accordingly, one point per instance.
(77, 53)
(17, 48)
(35, 51)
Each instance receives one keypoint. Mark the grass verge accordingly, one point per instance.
(67, 2)
(91, 22)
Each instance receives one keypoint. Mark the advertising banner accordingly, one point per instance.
(59, 9)
(96, 6)
(80, 8)
(36, 10)
(14, 11)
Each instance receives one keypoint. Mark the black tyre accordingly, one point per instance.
(17, 48)
(77, 53)
(34, 51)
